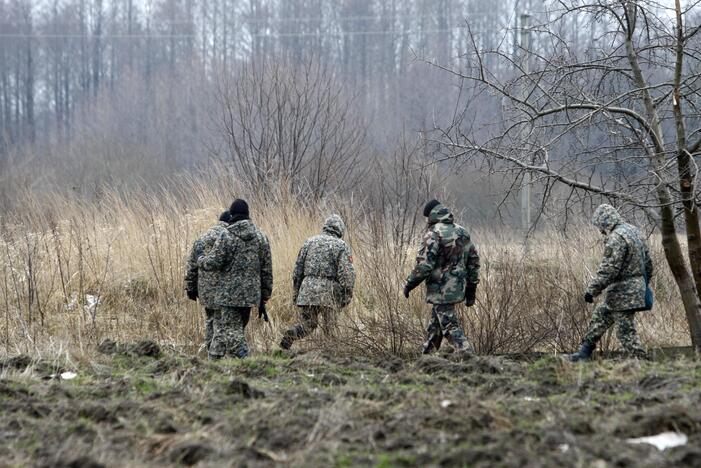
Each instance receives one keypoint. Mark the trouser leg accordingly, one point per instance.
(217, 346)
(309, 323)
(209, 315)
(434, 336)
(450, 328)
(229, 336)
(328, 315)
(601, 320)
(627, 335)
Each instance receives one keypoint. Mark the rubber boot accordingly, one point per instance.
(584, 353)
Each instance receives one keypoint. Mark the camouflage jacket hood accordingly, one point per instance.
(440, 214)
(606, 218)
(244, 230)
(625, 264)
(447, 261)
(334, 226)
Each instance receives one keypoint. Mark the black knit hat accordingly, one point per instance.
(430, 206)
(225, 216)
(239, 207)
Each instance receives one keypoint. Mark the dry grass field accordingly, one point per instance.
(75, 273)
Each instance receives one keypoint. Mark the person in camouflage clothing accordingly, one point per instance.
(192, 275)
(623, 275)
(241, 260)
(448, 263)
(323, 279)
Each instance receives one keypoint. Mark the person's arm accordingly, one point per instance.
(266, 269)
(191, 270)
(615, 251)
(473, 264)
(346, 275)
(298, 273)
(425, 260)
(220, 254)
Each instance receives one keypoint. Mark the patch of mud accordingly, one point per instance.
(243, 389)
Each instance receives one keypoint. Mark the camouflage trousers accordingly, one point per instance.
(209, 315)
(444, 323)
(229, 332)
(310, 316)
(603, 319)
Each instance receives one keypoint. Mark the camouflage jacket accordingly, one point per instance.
(204, 282)
(626, 261)
(324, 274)
(241, 255)
(447, 260)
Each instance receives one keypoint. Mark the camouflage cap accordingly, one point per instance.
(335, 226)
(606, 217)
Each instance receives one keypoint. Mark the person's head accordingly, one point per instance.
(335, 226)
(239, 211)
(429, 206)
(225, 217)
(606, 218)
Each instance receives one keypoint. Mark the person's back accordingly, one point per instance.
(448, 260)
(242, 255)
(323, 279)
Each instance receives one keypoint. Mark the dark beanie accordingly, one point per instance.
(239, 207)
(225, 216)
(430, 206)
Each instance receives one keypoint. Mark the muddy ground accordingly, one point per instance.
(135, 405)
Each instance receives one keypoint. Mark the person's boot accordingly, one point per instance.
(286, 342)
(584, 353)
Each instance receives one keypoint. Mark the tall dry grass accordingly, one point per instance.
(74, 273)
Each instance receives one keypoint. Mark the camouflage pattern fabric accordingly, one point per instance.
(625, 262)
(444, 323)
(603, 319)
(210, 315)
(242, 261)
(229, 334)
(204, 283)
(310, 321)
(323, 274)
(447, 260)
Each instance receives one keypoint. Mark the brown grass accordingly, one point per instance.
(129, 252)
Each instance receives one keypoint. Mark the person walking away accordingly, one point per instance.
(202, 284)
(323, 280)
(623, 277)
(448, 262)
(242, 256)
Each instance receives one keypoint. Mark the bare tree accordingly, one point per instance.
(608, 123)
(293, 123)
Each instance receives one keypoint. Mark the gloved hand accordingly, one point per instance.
(262, 313)
(588, 297)
(192, 294)
(407, 291)
(470, 295)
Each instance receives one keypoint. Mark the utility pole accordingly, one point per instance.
(528, 177)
